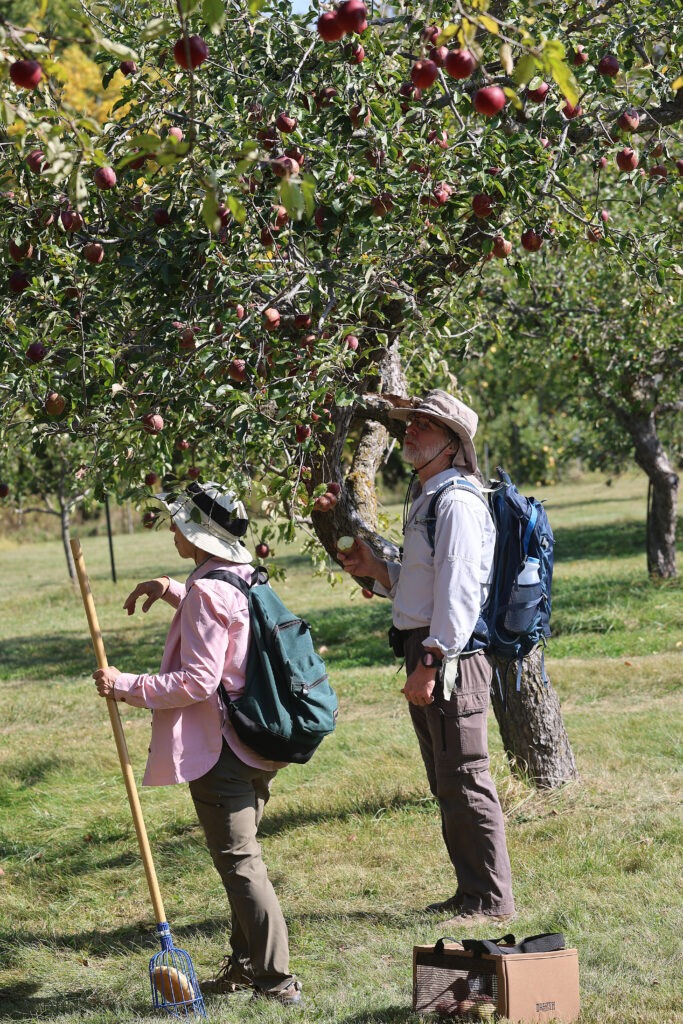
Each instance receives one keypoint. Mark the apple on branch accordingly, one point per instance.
(190, 52)
(26, 74)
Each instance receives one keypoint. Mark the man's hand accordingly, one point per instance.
(105, 679)
(419, 687)
(152, 589)
(360, 561)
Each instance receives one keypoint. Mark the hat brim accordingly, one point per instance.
(205, 535)
(467, 456)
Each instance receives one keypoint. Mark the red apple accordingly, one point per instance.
(294, 153)
(151, 479)
(579, 57)
(367, 593)
(149, 519)
(237, 370)
(284, 123)
(324, 503)
(628, 120)
(93, 252)
(602, 162)
(604, 215)
(570, 112)
(482, 205)
(593, 234)
(128, 67)
(438, 54)
(489, 101)
(284, 167)
(354, 53)
(538, 94)
(460, 64)
(262, 550)
(431, 33)
(440, 138)
(382, 204)
(329, 27)
(161, 216)
(18, 282)
(20, 250)
(4, 490)
(36, 352)
(193, 472)
(302, 432)
(271, 319)
(26, 73)
(176, 133)
(409, 92)
(182, 444)
(502, 247)
(152, 423)
(334, 488)
(72, 220)
(352, 342)
(627, 159)
(320, 216)
(679, 167)
(54, 404)
(609, 66)
(531, 240)
(266, 236)
(239, 310)
(187, 339)
(355, 114)
(190, 52)
(441, 193)
(352, 16)
(658, 171)
(36, 161)
(424, 73)
(105, 178)
(281, 216)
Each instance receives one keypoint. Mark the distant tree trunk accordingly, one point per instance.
(532, 729)
(662, 505)
(531, 726)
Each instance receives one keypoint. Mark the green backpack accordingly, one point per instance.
(288, 706)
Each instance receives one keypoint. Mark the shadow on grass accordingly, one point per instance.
(606, 540)
(58, 655)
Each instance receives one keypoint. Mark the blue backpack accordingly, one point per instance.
(516, 616)
(287, 707)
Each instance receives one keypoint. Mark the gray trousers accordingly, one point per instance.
(453, 742)
(229, 801)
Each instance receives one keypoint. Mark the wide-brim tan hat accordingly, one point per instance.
(451, 413)
(211, 518)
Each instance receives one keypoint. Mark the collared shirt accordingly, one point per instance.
(207, 644)
(444, 592)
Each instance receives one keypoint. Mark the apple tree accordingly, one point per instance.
(289, 218)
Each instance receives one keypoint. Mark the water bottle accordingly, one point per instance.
(525, 598)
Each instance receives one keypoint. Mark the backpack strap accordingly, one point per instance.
(430, 518)
(232, 578)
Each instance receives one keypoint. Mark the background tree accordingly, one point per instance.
(279, 226)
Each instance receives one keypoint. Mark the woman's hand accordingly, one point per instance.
(153, 590)
(105, 679)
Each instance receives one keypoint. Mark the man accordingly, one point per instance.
(437, 597)
(193, 740)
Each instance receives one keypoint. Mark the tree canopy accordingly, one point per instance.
(274, 230)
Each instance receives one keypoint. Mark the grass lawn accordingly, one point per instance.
(352, 839)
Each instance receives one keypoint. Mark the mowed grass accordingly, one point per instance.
(352, 839)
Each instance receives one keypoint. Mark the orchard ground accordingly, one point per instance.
(352, 839)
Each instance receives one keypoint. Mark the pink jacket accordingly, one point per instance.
(206, 643)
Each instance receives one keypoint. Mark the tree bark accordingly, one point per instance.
(530, 722)
(65, 525)
(662, 505)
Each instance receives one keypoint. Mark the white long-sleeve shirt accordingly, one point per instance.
(445, 592)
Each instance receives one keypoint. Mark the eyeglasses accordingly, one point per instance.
(422, 423)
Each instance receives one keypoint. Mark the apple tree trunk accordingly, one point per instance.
(662, 503)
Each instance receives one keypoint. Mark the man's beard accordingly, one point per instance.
(418, 455)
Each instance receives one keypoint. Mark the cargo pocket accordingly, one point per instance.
(464, 725)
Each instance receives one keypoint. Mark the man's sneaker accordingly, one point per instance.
(452, 905)
(470, 918)
(290, 996)
(232, 976)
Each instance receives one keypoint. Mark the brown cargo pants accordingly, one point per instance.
(453, 739)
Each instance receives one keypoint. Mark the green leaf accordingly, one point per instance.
(292, 198)
(118, 49)
(525, 69)
(255, 6)
(213, 13)
(554, 49)
(210, 212)
(155, 28)
(565, 79)
(236, 209)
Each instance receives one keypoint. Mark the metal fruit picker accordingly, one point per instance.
(172, 976)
